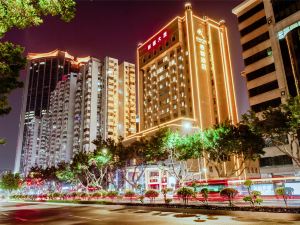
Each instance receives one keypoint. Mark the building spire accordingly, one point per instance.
(188, 6)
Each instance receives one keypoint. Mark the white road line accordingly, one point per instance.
(82, 217)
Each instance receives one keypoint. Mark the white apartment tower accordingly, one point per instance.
(118, 107)
(60, 121)
(87, 105)
(127, 100)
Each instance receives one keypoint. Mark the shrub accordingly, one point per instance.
(151, 194)
(129, 194)
(141, 198)
(74, 195)
(56, 195)
(97, 195)
(229, 193)
(83, 195)
(253, 196)
(282, 192)
(185, 193)
(168, 201)
(165, 191)
(112, 194)
(103, 193)
(204, 192)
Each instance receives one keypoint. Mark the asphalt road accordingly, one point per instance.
(56, 214)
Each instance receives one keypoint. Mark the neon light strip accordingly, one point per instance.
(265, 179)
(224, 64)
(231, 78)
(190, 72)
(214, 74)
(196, 64)
(158, 127)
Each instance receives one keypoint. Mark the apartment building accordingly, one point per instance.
(87, 104)
(44, 70)
(60, 121)
(270, 37)
(118, 107)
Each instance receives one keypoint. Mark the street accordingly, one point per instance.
(67, 214)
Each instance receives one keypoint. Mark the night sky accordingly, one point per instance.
(112, 28)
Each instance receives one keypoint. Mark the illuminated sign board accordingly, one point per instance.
(157, 40)
(201, 40)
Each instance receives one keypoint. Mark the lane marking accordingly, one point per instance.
(82, 217)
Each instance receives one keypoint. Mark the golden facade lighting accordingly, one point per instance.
(184, 73)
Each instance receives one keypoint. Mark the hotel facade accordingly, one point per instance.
(185, 83)
(185, 76)
(270, 34)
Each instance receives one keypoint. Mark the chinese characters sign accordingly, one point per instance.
(201, 39)
(157, 40)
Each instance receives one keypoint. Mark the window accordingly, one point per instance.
(251, 12)
(261, 72)
(258, 56)
(275, 161)
(256, 41)
(253, 26)
(283, 9)
(263, 88)
(264, 105)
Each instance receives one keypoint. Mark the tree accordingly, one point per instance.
(253, 196)
(22, 14)
(229, 193)
(225, 141)
(185, 193)
(138, 155)
(280, 127)
(11, 62)
(165, 191)
(204, 192)
(112, 194)
(10, 181)
(180, 149)
(281, 191)
(151, 194)
(129, 194)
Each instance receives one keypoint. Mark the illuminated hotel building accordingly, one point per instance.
(118, 107)
(185, 82)
(184, 76)
(43, 73)
(270, 38)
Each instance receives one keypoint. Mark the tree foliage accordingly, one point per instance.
(22, 14)
(10, 181)
(11, 62)
(229, 193)
(253, 196)
(280, 127)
